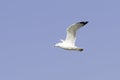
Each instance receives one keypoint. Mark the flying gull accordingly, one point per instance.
(69, 42)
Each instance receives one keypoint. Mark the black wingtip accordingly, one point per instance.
(84, 22)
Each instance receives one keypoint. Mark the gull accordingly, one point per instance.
(69, 42)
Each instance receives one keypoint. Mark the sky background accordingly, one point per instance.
(30, 28)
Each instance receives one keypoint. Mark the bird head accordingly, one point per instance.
(58, 45)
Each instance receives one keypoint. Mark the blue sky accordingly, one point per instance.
(30, 28)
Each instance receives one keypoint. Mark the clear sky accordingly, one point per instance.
(30, 28)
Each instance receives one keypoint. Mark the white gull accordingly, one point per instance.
(69, 42)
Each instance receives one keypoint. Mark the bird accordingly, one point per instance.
(69, 42)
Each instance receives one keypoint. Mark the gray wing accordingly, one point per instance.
(71, 32)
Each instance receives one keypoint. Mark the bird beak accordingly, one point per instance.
(55, 45)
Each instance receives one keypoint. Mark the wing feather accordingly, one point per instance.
(71, 32)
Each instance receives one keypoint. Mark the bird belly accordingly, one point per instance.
(68, 46)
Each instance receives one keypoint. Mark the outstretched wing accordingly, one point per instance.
(71, 32)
